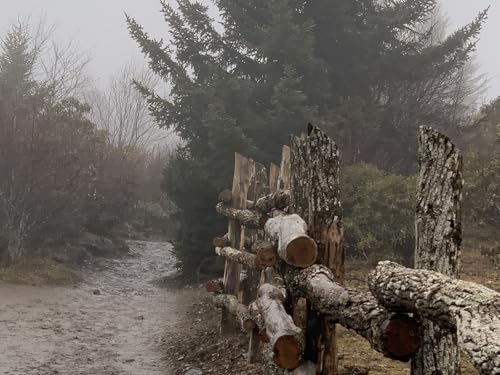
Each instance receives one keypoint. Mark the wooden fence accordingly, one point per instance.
(284, 273)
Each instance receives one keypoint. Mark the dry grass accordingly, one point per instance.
(38, 272)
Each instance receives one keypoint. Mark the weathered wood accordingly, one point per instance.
(278, 200)
(224, 242)
(295, 247)
(248, 218)
(215, 286)
(266, 253)
(438, 238)
(238, 256)
(315, 162)
(243, 170)
(284, 336)
(471, 310)
(274, 173)
(394, 335)
(235, 308)
(284, 180)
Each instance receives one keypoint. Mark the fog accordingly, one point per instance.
(98, 27)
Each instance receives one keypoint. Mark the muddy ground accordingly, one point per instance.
(122, 319)
(113, 322)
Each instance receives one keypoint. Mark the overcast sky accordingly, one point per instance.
(98, 27)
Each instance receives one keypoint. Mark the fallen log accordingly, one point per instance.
(394, 335)
(471, 309)
(278, 200)
(238, 256)
(284, 336)
(215, 286)
(235, 308)
(248, 218)
(295, 247)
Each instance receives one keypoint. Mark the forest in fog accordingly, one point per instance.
(148, 151)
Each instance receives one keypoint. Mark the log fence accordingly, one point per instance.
(285, 240)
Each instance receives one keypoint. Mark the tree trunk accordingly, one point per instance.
(295, 247)
(471, 310)
(394, 335)
(315, 196)
(438, 239)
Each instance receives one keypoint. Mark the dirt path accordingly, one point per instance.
(73, 331)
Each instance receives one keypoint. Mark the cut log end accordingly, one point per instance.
(302, 252)
(287, 352)
(401, 337)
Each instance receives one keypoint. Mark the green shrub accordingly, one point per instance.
(378, 213)
(482, 190)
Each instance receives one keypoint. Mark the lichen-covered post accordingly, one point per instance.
(315, 162)
(438, 240)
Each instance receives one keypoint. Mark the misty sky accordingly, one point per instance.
(98, 27)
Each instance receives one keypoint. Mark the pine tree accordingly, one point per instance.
(364, 69)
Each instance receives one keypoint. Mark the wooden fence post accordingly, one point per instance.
(315, 164)
(438, 239)
(243, 171)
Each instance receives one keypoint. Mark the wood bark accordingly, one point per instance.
(278, 200)
(274, 173)
(438, 239)
(238, 256)
(266, 253)
(471, 310)
(295, 247)
(284, 336)
(248, 218)
(224, 242)
(394, 335)
(238, 310)
(243, 170)
(284, 180)
(315, 162)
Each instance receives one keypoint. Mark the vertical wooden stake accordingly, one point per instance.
(438, 240)
(243, 170)
(315, 164)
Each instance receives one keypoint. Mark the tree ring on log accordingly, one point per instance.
(401, 337)
(302, 251)
(287, 352)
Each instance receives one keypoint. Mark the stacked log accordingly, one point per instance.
(471, 310)
(248, 218)
(283, 335)
(394, 335)
(236, 309)
(295, 247)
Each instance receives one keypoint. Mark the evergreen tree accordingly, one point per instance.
(364, 69)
